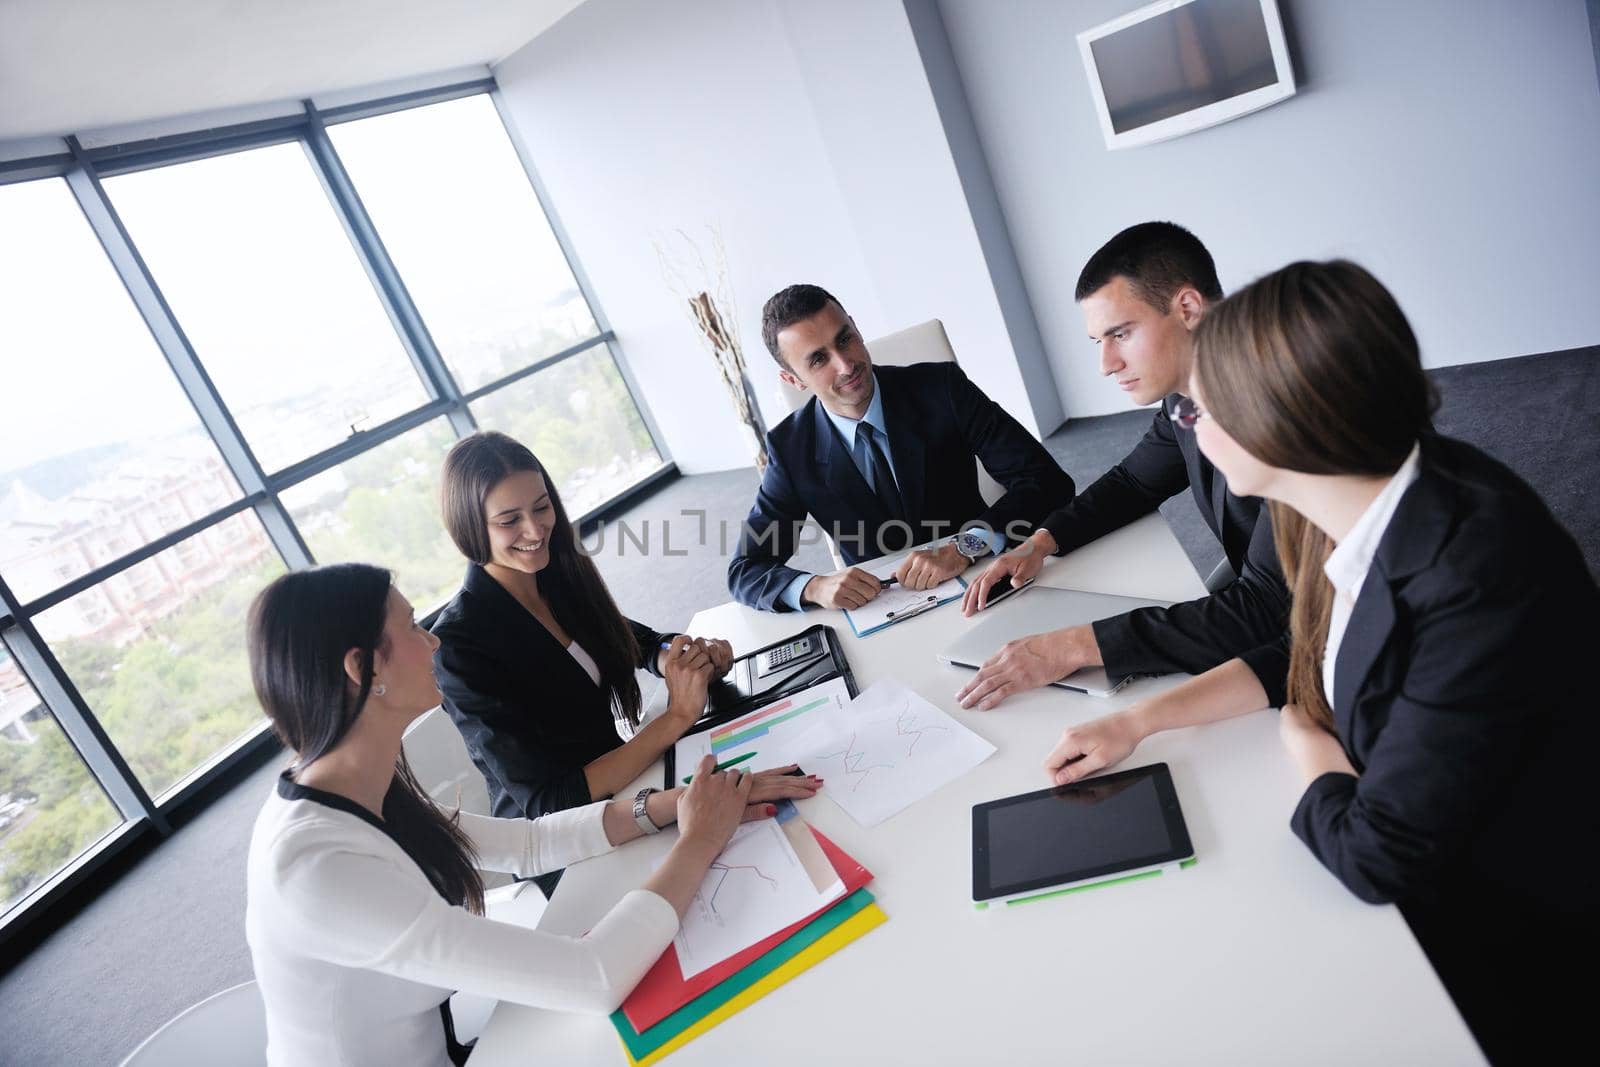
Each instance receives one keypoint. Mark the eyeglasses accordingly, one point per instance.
(1184, 412)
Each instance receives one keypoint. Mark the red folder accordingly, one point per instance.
(663, 989)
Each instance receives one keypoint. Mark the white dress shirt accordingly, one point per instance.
(1347, 565)
(354, 949)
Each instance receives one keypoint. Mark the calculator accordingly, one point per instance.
(774, 659)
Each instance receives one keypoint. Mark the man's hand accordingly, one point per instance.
(849, 588)
(1314, 750)
(1090, 748)
(1022, 564)
(926, 568)
(1029, 662)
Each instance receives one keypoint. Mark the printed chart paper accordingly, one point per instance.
(888, 749)
(766, 734)
(756, 887)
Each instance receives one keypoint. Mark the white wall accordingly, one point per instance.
(1451, 147)
(805, 131)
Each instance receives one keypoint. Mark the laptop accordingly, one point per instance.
(1036, 610)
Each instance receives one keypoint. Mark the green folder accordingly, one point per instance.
(640, 1045)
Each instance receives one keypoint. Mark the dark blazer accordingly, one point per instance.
(527, 710)
(1463, 699)
(937, 422)
(1195, 636)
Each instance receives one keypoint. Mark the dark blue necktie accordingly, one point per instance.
(882, 477)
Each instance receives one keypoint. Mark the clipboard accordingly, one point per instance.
(932, 601)
(745, 687)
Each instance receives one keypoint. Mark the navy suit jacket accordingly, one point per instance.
(937, 422)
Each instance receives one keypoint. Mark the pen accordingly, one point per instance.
(725, 765)
(887, 582)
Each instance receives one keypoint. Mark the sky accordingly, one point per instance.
(261, 276)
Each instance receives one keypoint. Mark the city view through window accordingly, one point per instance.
(103, 453)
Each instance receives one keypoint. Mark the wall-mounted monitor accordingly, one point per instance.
(1177, 66)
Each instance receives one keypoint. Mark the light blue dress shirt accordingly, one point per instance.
(847, 430)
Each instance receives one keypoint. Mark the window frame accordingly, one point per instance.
(145, 820)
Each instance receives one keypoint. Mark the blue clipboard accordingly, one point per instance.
(926, 606)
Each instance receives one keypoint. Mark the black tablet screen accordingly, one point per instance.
(1082, 829)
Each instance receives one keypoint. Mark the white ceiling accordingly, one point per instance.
(68, 66)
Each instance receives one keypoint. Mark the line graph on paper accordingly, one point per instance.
(720, 873)
(756, 887)
(856, 764)
(890, 748)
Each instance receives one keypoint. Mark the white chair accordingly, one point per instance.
(443, 766)
(925, 343)
(228, 1029)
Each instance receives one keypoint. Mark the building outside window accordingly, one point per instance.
(272, 345)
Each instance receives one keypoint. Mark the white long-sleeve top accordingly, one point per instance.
(355, 950)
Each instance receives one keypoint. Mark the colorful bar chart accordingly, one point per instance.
(760, 723)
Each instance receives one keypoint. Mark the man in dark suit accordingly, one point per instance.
(882, 459)
(1143, 293)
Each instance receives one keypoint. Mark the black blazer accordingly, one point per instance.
(1463, 699)
(1195, 636)
(527, 710)
(937, 422)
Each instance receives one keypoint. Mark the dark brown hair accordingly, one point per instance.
(300, 629)
(789, 306)
(1314, 368)
(1158, 259)
(570, 582)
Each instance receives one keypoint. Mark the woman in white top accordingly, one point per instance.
(1440, 627)
(365, 905)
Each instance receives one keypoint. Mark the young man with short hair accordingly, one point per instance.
(1142, 294)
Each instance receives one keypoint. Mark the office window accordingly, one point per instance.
(96, 432)
(334, 418)
(453, 206)
(158, 651)
(383, 507)
(259, 272)
(51, 808)
(579, 419)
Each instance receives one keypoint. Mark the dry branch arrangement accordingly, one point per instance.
(708, 294)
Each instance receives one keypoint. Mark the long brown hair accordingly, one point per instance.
(1314, 368)
(570, 583)
(300, 628)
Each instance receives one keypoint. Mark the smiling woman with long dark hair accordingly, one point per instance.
(536, 662)
(1439, 711)
(365, 904)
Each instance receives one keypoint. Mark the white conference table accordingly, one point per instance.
(1256, 955)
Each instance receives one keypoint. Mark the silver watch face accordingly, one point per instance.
(971, 545)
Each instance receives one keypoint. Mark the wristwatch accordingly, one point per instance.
(971, 545)
(640, 814)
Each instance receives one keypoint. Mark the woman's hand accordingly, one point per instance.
(720, 652)
(687, 668)
(713, 805)
(1314, 750)
(778, 784)
(1090, 748)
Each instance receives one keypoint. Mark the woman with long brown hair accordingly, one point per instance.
(1437, 710)
(536, 663)
(365, 904)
